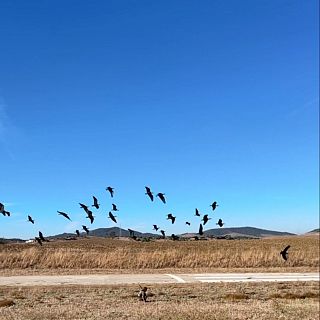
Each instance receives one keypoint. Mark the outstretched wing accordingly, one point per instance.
(201, 230)
(286, 249)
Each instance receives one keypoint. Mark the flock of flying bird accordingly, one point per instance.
(111, 216)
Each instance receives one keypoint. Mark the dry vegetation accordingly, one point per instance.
(171, 302)
(105, 255)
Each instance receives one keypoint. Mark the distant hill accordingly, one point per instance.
(314, 231)
(13, 240)
(107, 233)
(241, 232)
(233, 233)
(245, 232)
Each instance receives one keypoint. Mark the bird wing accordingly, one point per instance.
(112, 217)
(64, 214)
(200, 229)
(286, 249)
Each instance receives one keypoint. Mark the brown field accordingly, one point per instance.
(286, 301)
(96, 255)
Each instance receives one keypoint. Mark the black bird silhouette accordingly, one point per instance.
(188, 223)
(214, 205)
(90, 216)
(4, 212)
(155, 227)
(172, 218)
(112, 217)
(64, 214)
(161, 197)
(111, 190)
(163, 233)
(197, 213)
(38, 240)
(41, 236)
(30, 219)
(284, 253)
(1, 207)
(205, 219)
(78, 233)
(201, 230)
(114, 207)
(149, 193)
(84, 207)
(220, 223)
(95, 202)
(174, 237)
(85, 229)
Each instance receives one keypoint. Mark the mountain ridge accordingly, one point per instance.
(234, 232)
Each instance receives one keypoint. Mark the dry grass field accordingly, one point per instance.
(95, 255)
(171, 302)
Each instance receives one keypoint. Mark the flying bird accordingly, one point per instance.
(111, 190)
(220, 223)
(214, 205)
(90, 216)
(30, 219)
(64, 214)
(163, 233)
(172, 218)
(161, 197)
(155, 227)
(114, 207)
(41, 236)
(84, 207)
(85, 229)
(112, 217)
(95, 202)
(38, 240)
(149, 193)
(284, 253)
(78, 233)
(205, 219)
(188, 223)
(200, 230)
(197, 213)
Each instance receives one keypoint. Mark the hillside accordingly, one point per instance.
(240, 232)
(314, 231)
(106, 233)
(245, 232)
(237, 233)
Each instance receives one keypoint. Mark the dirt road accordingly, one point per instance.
(121, 279)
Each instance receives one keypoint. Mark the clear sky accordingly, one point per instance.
(202, 100)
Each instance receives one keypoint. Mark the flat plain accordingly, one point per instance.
(172, 301)
(267, 300)
(105, 255)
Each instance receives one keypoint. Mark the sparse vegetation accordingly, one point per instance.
(242, 301)
(120, 255)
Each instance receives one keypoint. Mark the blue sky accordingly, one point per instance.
(202, 100)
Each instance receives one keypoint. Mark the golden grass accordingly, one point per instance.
(220, 301)
(120, 255)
